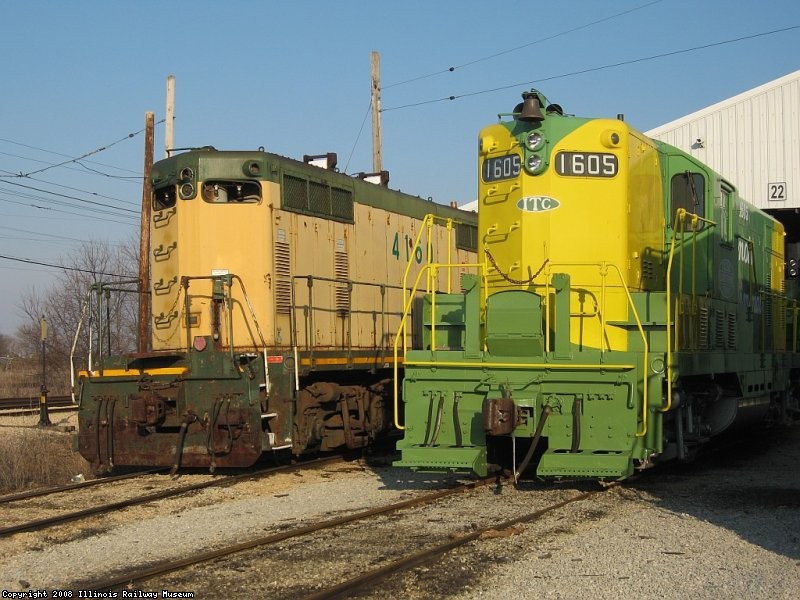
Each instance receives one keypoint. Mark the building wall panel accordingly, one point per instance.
(752, 139)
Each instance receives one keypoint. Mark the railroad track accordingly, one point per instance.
(72, 486)
(274, 544)
(99, 509)
(374, 578)
(33, 403)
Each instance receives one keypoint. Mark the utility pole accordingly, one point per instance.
(44, 418)
(143, 329)
(377, 142)
(169, 123)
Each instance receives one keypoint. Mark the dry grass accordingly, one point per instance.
(32, 458)
(24, 380)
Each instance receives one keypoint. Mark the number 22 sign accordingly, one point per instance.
(776, 192)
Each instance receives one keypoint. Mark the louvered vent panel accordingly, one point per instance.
(341, 270)
(731, 339)
(283, 278)
(719, 329)
(705, 337)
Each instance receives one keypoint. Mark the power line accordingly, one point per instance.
(92, 216)
(59, 154)
(105, 206)
(593, 69)
(74, 189)
(363, 121)
(510, 50)
(60, 267)
(53, 236)
(85, 155)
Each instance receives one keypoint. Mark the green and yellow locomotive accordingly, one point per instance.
(628, 306)
(274, 293)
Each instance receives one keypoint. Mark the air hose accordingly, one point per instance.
(534, 442)
(187, 420)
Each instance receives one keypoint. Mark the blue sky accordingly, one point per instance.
(294, 77)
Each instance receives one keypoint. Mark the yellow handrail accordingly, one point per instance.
(401, 331)
(603, 267)
(680, 216)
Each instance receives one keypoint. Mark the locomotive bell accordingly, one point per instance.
(531, 108)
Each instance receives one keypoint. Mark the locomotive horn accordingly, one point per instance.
(531, 108)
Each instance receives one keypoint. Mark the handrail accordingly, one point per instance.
(401, 330)
(427, 225)
(603, 267)
(680, 216)
(312, 308)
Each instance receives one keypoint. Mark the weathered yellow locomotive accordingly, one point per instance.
(628, 307)
(274, 297)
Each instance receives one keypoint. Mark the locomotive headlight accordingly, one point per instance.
(793, 267)
(534, 163)
(486, 144)
(187, 191)
(186, 174)
(534, 141)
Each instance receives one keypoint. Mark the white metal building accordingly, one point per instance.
(752, 139)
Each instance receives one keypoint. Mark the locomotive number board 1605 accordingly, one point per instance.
(587, 164)
(501, 167)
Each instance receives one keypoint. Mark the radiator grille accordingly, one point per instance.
(295, 193)
(317, 199)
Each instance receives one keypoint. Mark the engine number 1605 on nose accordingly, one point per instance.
(587, 164)
(501, 167)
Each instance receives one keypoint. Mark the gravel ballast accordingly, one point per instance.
(727, 526)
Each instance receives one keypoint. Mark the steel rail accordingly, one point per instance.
(20, 402)
(370, 578)
(74, 486)
(174, 565)
(79, 514)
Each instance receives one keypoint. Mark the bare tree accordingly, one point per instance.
(62, 303)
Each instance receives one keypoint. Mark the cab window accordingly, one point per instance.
(231, 192)
(688, 193)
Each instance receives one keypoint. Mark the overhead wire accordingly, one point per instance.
(74, 189)
(593, 69)
(60, 267)
(6, 140)
(77, 159)
(514, 49)
(49, 237)
(358, 137)
(84, 200)
(92, 215)
(80, 168)
(491, 56)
